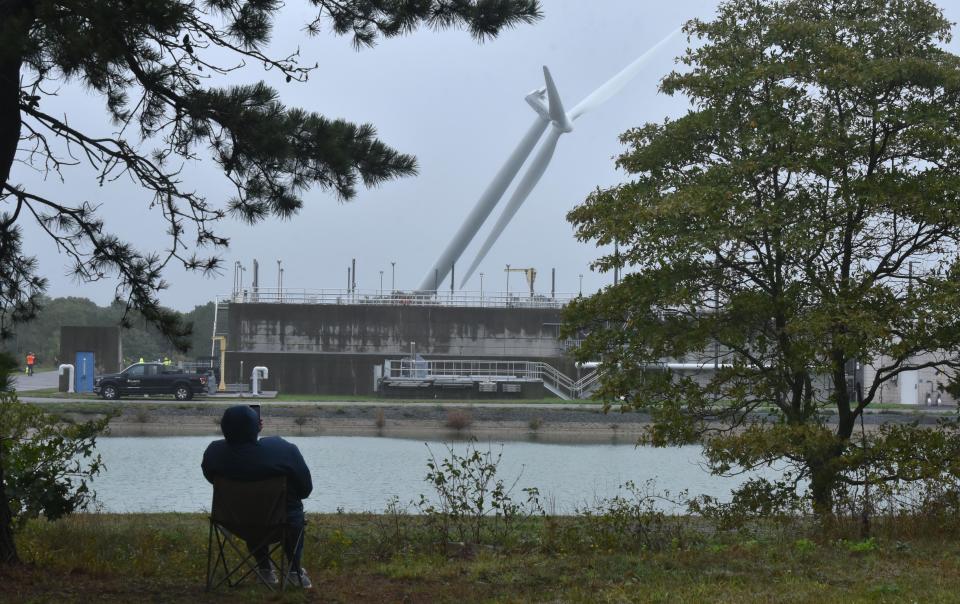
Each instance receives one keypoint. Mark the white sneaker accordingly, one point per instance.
(268, 576)
(300, 579)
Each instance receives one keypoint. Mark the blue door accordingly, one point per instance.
(84, 372)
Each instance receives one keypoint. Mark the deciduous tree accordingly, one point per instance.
(802, 217)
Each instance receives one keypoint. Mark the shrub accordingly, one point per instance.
(469, 493)
(459, 419)
(632, 520)
(45, 466)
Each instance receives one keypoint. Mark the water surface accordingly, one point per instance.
(162, 474)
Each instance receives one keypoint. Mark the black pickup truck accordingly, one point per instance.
(150, 378)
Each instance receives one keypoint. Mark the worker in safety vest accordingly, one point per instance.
(31, 361)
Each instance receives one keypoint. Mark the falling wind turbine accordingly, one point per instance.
(495, 190)
(562, 122)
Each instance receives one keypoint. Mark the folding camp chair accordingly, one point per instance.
(244, 513)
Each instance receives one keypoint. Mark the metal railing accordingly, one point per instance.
(490, 371)
(469, 299)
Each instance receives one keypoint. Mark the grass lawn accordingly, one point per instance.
(381, 558)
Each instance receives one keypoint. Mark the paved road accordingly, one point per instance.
(40, 380)
(324, 404)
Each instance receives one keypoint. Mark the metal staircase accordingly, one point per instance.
(408, 373)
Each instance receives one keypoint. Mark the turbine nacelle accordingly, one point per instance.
(535, 100)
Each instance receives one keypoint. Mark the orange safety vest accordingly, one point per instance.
(31, 359)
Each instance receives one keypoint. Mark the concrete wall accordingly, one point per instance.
(103, 342)
(352, 374)
(509, 333)
(333, 349)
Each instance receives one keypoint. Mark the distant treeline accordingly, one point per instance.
(42, 335)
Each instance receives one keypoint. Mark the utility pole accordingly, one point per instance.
(553, 283)
(279, 280)
(616, 262)
(393, 276)
(508, 280)
(481, 287)
(381, 284)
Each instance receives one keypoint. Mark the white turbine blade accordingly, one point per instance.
(527, 183)
(557, 112)
(617, 82)
(484, 206)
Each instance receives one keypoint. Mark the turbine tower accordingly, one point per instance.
(562, 122)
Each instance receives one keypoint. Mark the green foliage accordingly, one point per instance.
(468, 492)
(803, 216)
(8, 367)
(47, 465)
(862, 547)
(893, 470)
(804, 546)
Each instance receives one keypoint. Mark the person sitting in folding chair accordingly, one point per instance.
(241, 456)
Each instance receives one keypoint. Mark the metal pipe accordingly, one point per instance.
(259, 373)
(213, 336)
(69, 369)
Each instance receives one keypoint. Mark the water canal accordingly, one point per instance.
(355, 474)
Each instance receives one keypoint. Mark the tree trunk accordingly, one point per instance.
(8, 549)
(14, 17)
(13, 24)
(822, 481)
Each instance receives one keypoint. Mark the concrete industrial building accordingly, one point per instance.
(338, 343)
(353, 343)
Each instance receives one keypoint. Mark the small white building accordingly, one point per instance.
(917, 387)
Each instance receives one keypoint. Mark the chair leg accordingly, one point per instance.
(227, 542)
(209, 557)
(221, 560)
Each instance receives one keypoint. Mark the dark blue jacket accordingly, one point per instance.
(241, 456)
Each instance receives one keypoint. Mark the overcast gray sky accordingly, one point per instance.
(455, 104)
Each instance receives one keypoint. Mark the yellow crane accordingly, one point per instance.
(530, 273)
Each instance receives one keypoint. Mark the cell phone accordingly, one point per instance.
(257, 409)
